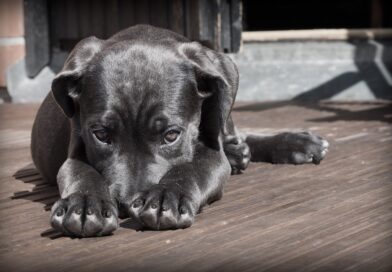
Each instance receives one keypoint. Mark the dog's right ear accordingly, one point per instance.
(216, 82)
(65, 86)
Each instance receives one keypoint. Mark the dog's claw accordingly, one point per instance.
(107, 213)
(60, 212)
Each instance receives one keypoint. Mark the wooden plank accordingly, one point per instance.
(159, 13)
(177, 16)
(111, 15)
(142, 12)
(85, 20)
(192, 20)
(72, 8)
(98, 18)
(331, 217)
(126, 13)
(209, 23)
(216, 24)
(56, 18)
(36, 36)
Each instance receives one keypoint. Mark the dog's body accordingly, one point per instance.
(139, 125)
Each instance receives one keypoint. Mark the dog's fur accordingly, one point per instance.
(107, 133)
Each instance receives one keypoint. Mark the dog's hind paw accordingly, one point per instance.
(82, 215)
(300, 148)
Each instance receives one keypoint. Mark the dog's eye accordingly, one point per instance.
(102, 135)
(171, 136)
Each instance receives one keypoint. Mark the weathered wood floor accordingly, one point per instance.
(333, 217)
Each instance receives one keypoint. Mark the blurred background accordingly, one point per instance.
(285, 50)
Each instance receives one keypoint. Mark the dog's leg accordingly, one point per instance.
(236, 149)
(237, 152)
(85, 208)
(181, 193)
(293, 148)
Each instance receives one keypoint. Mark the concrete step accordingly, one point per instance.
(314, 70)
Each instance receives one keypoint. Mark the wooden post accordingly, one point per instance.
(225, 26)
(36, 36)
(176, 16)
(236, 25)
(215, 23)
(209, 23)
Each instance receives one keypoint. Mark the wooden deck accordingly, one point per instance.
(333, 217)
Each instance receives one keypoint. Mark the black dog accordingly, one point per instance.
(139, 126)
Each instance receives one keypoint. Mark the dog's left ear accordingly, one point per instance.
(217, 82)
(66, 85)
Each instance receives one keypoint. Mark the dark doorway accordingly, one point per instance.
(310, 14)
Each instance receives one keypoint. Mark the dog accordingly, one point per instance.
(139, 126)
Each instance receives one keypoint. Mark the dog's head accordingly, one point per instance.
(141, 108)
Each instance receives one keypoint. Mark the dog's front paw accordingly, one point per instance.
(83, 215)
(300, 148)
(163, 207)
